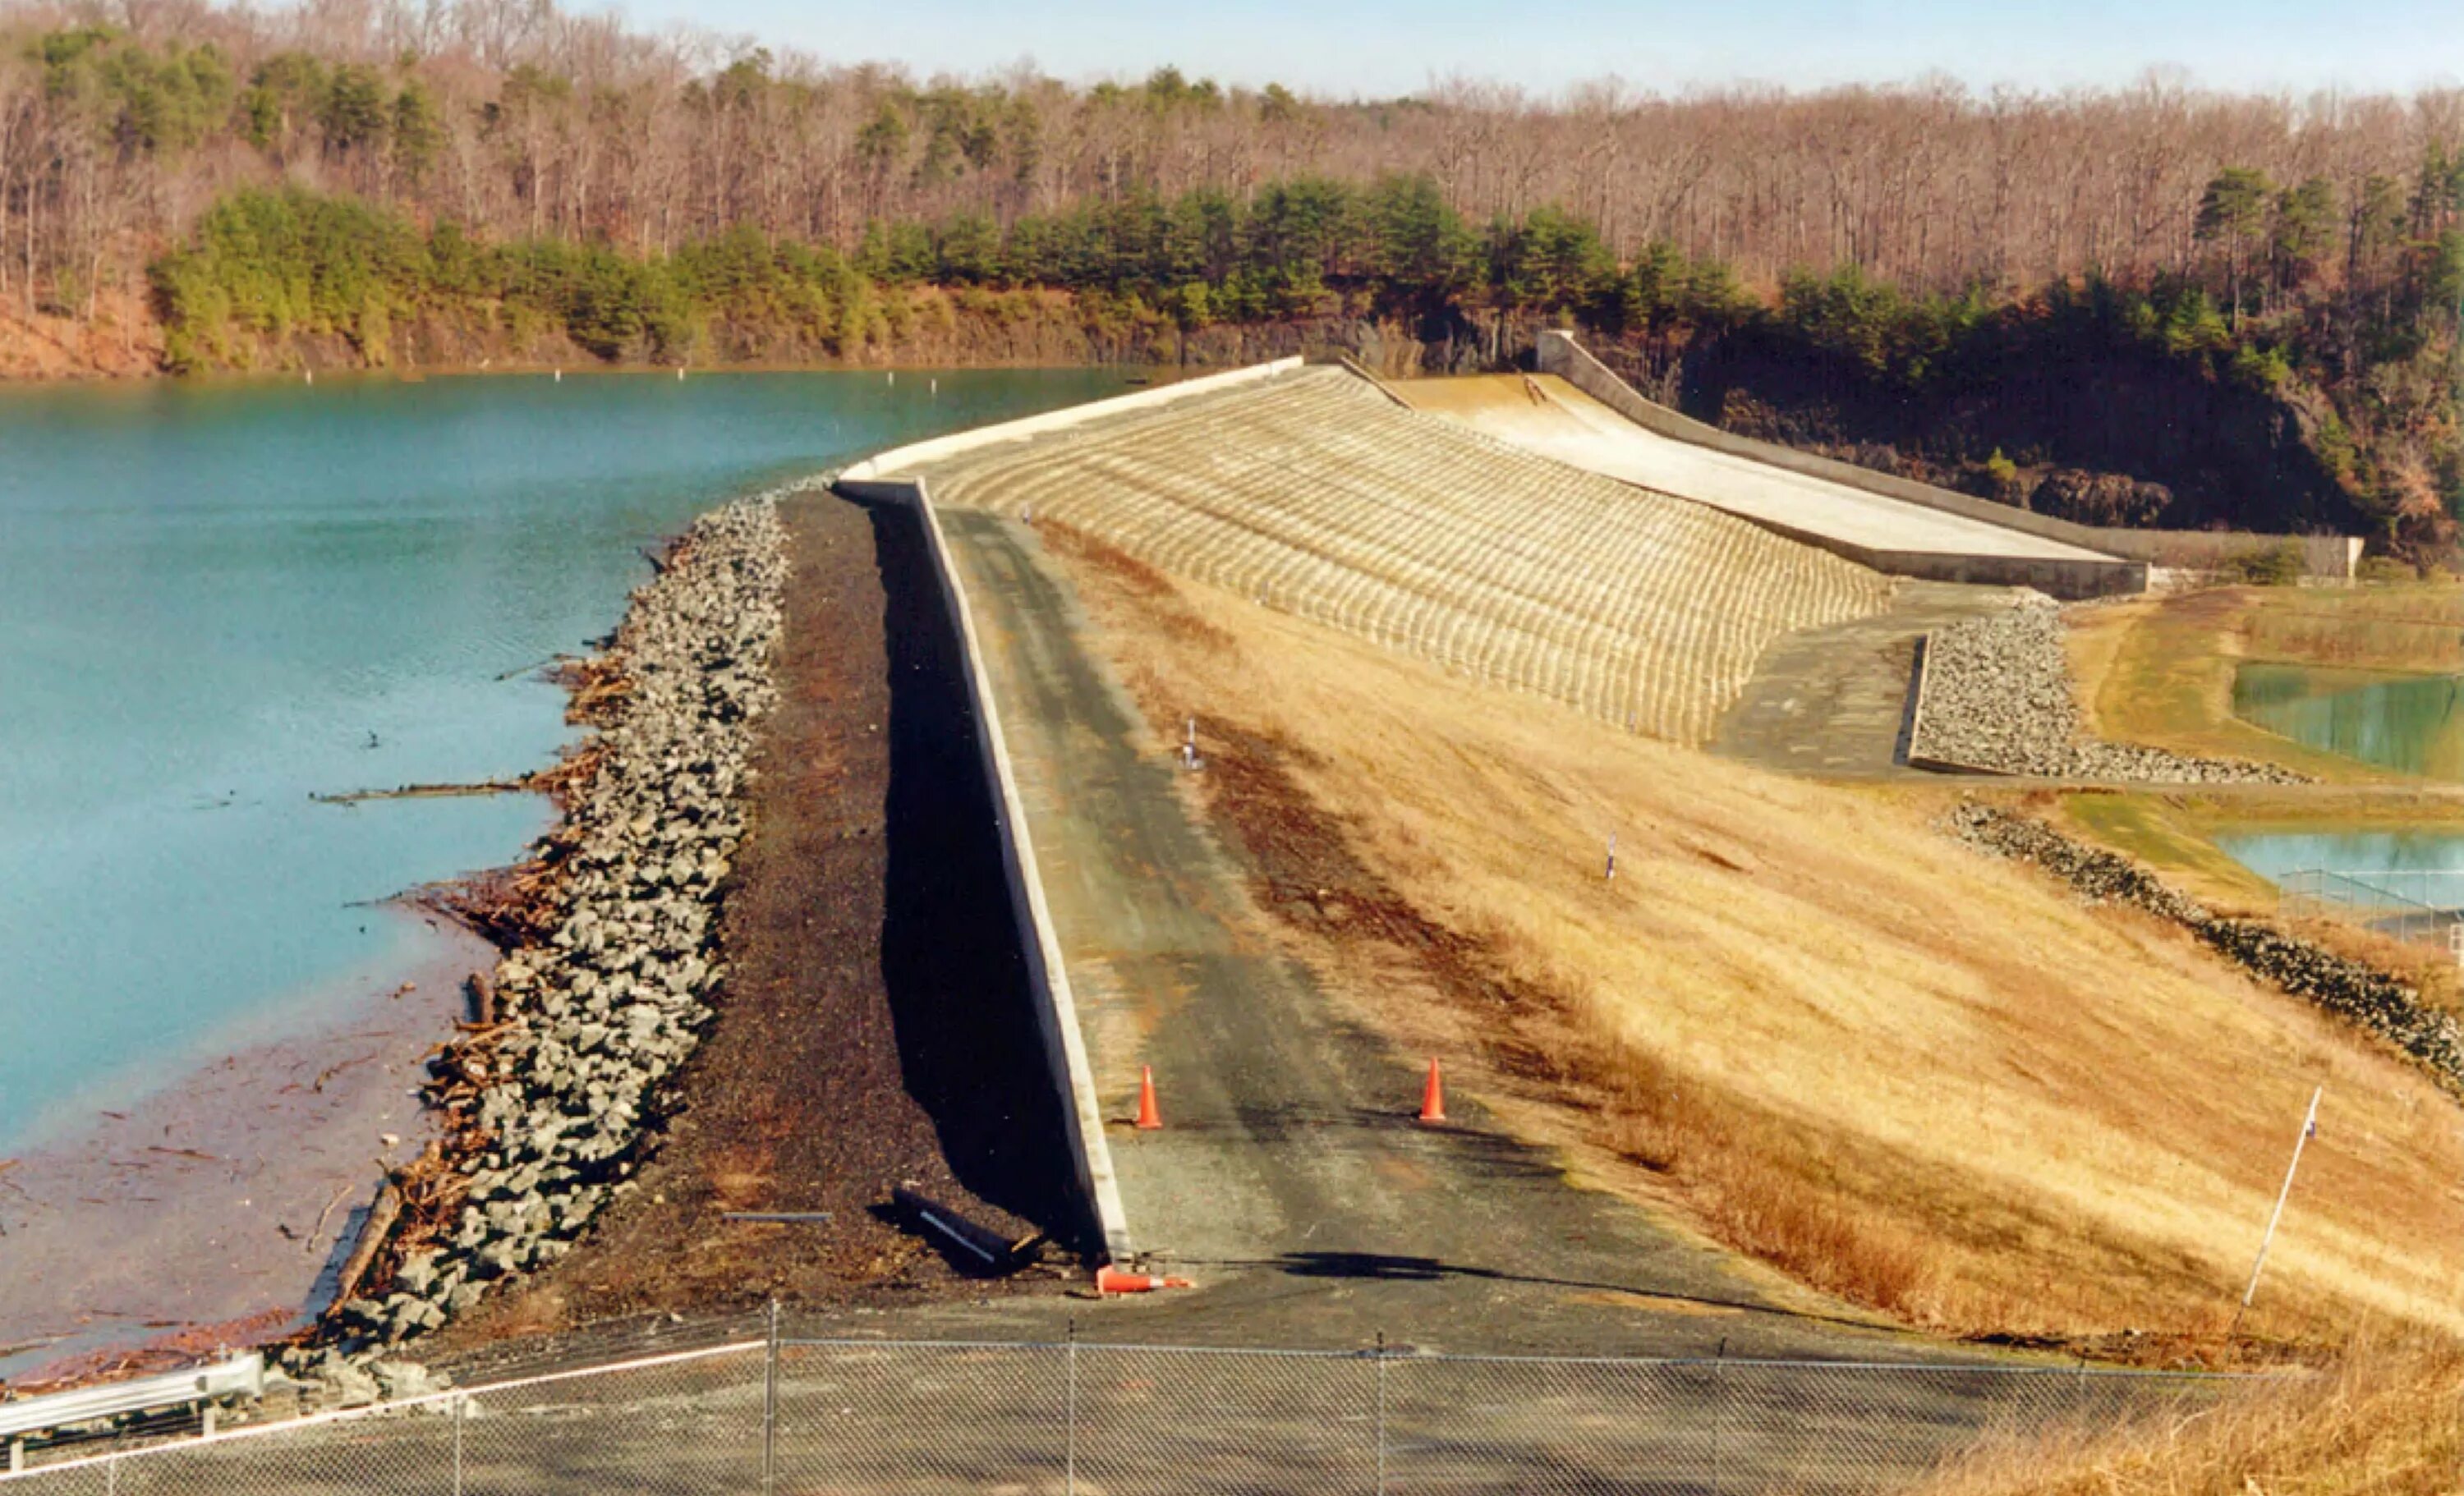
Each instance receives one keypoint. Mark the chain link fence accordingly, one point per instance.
(786, 1415)
(2418, 905)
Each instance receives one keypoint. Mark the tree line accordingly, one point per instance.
(341, 164)
(518, 120)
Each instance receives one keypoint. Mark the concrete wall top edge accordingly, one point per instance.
(941, 448)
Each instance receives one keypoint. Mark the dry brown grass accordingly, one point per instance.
(2160, 671)
(1815, 1027)
(2387, 1423)
(2412, 627)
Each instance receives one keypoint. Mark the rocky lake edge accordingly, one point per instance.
(546, 1100)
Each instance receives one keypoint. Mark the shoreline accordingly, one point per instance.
(221, 1195)
(670, 708)
(219, 1208)
(222, 379)
(610, 962)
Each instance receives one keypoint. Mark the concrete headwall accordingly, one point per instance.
(2333, 557)
(2068, 578)
(2328, 558)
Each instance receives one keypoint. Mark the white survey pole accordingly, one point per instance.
(2309, 1126)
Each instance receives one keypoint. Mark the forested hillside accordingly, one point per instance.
(2150, 305)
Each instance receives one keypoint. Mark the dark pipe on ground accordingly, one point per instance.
(977, 1247)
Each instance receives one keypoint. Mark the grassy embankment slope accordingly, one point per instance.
(2387, 1423)
(1799, 1017)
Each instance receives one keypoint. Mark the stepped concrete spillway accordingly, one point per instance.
(1547, 415)
(1314, 491)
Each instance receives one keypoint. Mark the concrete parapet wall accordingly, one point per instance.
(903, 459)
(2333, 557)
(1047, 973)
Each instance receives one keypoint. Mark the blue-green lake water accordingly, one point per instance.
(216, 599)
(2411, 723)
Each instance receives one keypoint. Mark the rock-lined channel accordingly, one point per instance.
(1998, 695)
(546, 1108)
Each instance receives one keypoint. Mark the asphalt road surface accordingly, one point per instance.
(1292, 1180)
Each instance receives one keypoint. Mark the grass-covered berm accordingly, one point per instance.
(2160, 671)
(1800, 1016)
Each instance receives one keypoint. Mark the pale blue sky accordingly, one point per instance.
(1384, 47)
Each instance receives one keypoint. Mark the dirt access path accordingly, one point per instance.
(1835, 702)
(876, 1030)
(1291, 1177)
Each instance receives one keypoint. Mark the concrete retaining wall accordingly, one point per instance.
(2332, 556)
(1047, 973)
(2052, 574)
(1056, 1009)
(2328, 558)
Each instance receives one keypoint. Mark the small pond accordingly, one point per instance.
(2274, 853)
(2412, 724)
(2405, 868)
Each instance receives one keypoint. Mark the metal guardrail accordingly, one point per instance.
(240, 1376)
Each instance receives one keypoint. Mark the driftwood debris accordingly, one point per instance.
(557, 659)
(381, 1215)
(517, 787)
(308, 1243)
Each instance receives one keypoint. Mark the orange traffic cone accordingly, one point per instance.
(1148, 1118)
(1110, 1279)
(1433, 1096)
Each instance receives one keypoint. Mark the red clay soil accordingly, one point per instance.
(123, 339)
(875, 1030)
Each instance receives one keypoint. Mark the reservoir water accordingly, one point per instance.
(216, 599)
(2411, 724)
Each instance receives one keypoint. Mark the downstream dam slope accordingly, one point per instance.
(1314, 491)
(1547, 415)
